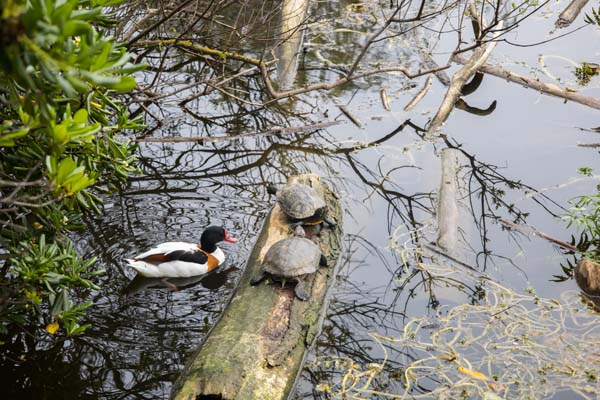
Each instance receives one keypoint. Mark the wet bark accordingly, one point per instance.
(256, 349)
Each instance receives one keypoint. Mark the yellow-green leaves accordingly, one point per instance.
(60, 127)
(74, 128)
(67, 177)
(8, 134)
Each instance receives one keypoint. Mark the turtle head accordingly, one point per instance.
(299, 231)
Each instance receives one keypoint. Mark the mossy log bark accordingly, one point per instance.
(256, 349)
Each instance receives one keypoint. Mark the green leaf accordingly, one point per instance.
(8, 140)
(76, 28)
(81, 116)
(126, 84)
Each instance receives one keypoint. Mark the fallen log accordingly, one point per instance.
(534, 83)
(256, 349)
(570, 13)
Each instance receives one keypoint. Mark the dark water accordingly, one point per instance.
(142, 334)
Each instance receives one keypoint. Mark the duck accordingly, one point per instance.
(182, 259)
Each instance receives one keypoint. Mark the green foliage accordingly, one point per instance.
(60, 117)
(584, 214)
(54, 268)
(594, 18)
(585, 72)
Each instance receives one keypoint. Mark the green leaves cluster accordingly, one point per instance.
(584, 214)
(61, 127)
(52, 270)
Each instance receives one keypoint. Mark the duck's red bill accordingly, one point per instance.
(229, 238)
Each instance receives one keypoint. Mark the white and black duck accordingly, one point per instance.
(182, 259)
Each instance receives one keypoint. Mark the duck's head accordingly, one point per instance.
(213, 235)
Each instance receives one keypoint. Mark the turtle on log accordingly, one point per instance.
(302, 204)
(291, 259)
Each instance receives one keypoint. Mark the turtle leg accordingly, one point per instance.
(258, 278)
(300, 290)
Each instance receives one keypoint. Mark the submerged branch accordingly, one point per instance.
(448, 200)
(533, 232)
(419, 96)
(534, 83)
(471, 66)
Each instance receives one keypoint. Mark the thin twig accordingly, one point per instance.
(533, 232)
(229, 138)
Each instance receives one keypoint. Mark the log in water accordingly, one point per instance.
(256, 349)
(448, 200)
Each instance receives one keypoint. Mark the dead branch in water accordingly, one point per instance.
(570, 13)
(276, 95)
(229, 138)
(477, 59)
(350, 116)
(534, 83)
(421, 94)
(533, 232)
(428, 61)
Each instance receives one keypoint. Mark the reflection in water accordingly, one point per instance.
(211, 281)
(142, 333)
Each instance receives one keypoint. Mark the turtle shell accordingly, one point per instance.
(300, 201)
(292, 257)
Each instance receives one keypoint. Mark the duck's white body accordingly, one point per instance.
(176, 260)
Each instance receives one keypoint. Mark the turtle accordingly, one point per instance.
(302, 204)
(291, 259)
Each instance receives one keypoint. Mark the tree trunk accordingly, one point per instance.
(257, 348)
